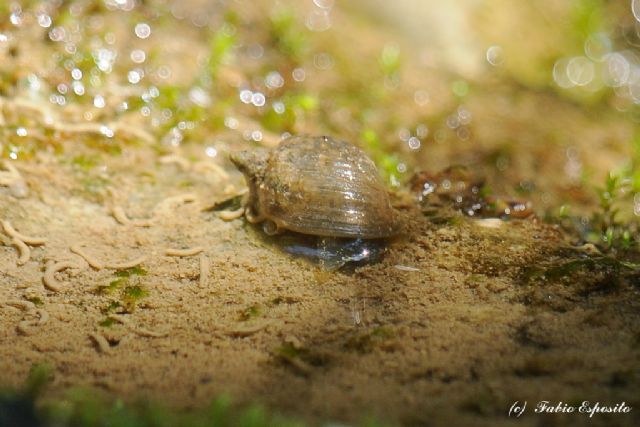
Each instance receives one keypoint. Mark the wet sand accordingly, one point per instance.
(459, 320)
(451, 325)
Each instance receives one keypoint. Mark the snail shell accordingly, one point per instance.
(318, 186)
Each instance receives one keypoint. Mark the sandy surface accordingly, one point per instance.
(464, 332)
(459, 320)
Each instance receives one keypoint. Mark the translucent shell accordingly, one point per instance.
(320, 186)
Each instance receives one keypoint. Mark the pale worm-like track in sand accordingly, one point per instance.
(88, 258)
(49, 278)
(203, 167)
(204, 270)
(231, 215)
(136, 330)
(98, 265)
(11, 232)
(23, 251)
(175, 159)
(101, 342)
(51, 120)
(248, 331)
(184, 252)
(123, 266)
(121, 217)
(172, 202)
(405, 268)
(26, 326)
(21, 305)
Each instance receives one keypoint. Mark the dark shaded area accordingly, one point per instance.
(17, 411)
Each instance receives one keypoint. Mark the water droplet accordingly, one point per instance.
(421, 97)
(560, 73)
(164, 72)
(464, 115)
(580, 70)
(404, 134)
(246, 96)
(211, 151)
(106, 131)
(57, 34)
(258, 99)
(143, 30)
(597, 46)
(635, 8)
(76, 74)
(319, 20)
(256, 135)
(138, 56)
(279, 107)
(298, 74)
(78, 88)
(495, 56)
(98, 101)
(16, 18)
(422, 131)
(323, 61)
(134, 76)
(615, 69)
(452, 122)
(44, 20)
(199, 96)
(104, 59)
(274, 80)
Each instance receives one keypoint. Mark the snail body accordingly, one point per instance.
(318, 186)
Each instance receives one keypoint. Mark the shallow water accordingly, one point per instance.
(118, 118)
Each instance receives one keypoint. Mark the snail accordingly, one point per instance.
(316, 185)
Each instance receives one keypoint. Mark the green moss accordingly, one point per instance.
(126, 285)
(387, 162)
(111, 307)
(106, 322)
(588, 17)
(287, 35)
(133, 271)
(368, 341)
(390, 60)
(290, 353)
(88, 408)
(608, 266)
(111, 287)
(39, 375)
(134, 293)
(35, 300)
(460, 88)
(220, 47)
(84, 162)
(250, 313)
(287, 350)
(304, 101)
